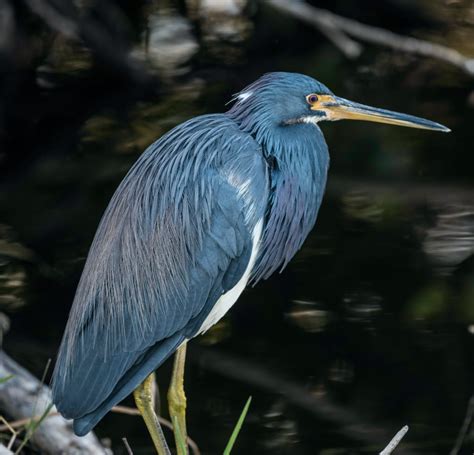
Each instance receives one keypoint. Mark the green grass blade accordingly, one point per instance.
(33, 426)
(179, 436)
(35, 423)
(237, 428)
(6, 378)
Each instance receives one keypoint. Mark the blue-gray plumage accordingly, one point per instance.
(219, 201)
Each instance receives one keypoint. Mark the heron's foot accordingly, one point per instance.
(177, 401)
(145, 400)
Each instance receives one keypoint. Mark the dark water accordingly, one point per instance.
(370, 327)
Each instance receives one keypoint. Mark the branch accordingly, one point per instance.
(322, 22)
(464, 428)
(392, 445)
(375, 35)
(127, 446)
(54, 19)
(23, 396)
(7, 26)
(94, 35)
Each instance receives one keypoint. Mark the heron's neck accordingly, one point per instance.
(298, 160)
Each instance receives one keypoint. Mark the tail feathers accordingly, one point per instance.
(153, 358)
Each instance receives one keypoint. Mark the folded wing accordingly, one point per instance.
(175, 237)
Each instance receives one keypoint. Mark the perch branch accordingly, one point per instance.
(375, 35)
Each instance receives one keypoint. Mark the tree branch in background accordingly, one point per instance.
(7, 26)
(54, 19)
(64, 18)
(328, 23)
(323, 22)
(464, 428)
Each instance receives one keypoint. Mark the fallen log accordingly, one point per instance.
(22, 396)
(4, 450)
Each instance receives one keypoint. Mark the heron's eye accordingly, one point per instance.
(312, 98)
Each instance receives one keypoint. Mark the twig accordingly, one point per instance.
(166, 423)
(374, 35)
(464, 428)
(11, 430)
(17, 423)
(127, 446)
(117, 409)
(392, 445)
(32, 427)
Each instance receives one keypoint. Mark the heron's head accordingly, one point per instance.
(290, 98)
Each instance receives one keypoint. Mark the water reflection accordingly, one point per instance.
(283, 432)
(341, 371)
(309, 316)
(223, 25)
(450, 240)
(362, 306)
(13, 277)
(361, 205)
(169, 43)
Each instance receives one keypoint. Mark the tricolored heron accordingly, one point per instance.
(220, 201)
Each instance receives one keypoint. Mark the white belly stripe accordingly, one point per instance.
(225, 302)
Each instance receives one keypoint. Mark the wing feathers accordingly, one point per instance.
(175, 237)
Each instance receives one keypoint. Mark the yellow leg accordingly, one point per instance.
(177, 401)
(145, 401)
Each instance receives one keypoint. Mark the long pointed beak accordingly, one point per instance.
(339, 108)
